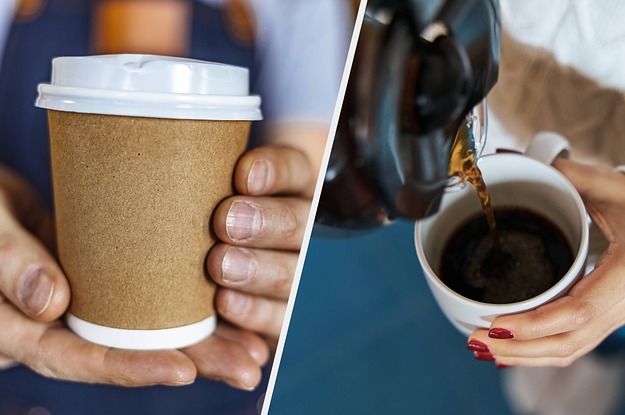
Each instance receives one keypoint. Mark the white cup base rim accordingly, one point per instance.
(172, 338)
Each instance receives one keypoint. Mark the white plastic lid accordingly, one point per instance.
(150, 86)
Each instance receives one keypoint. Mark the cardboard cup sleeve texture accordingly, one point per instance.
(134, 198)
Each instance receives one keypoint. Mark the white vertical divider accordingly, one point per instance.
(313, 210)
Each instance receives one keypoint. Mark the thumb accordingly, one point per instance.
(29, 275)
(603, 192)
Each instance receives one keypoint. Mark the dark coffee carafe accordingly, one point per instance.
(420, 66)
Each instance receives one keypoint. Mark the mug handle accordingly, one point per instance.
(546, 146)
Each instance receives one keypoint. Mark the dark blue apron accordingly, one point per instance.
(63, 29)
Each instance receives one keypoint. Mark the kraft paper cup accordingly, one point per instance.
(526, 181)
(143, 149)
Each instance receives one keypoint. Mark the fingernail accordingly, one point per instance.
(237, 265)
(477, 346)
(484, 356)
(236, 384)
(258, 178)
(501, 366)
(242, 221)
(37, 291)
(237, 303)
(500, 334)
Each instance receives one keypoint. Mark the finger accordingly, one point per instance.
(560, 316)
(603, 193)
(258, 314)
(53, 351)
(29, 276)
(252, 343)
(273, 170)
(310, 139)
(589, 299)
(254, 271)
(21, 202)
(262, 222)
(557, 346)
(561, 345)
(548, 361)
(227, 361)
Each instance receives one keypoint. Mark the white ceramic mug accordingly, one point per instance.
(513, 180)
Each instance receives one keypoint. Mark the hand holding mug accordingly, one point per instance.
(558, 333)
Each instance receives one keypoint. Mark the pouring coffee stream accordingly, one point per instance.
(463, 164)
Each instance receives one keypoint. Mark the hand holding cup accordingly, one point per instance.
(34, 294)
(262, 231)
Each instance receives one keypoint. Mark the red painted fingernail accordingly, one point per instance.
(500, 334)
(501, 366)
(507, 150)
(484, 356)
(477, 346)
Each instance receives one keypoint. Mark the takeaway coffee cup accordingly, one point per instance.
(143, 149)
(514, 180)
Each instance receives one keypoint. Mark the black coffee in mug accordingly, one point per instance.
(534, 256)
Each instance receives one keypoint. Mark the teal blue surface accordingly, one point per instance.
(367, 337)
